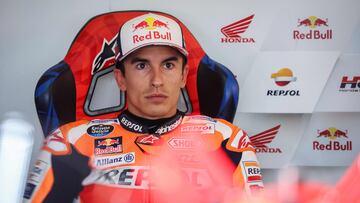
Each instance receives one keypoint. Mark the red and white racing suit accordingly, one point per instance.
(109, 160)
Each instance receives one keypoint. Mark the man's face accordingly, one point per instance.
(152, 81)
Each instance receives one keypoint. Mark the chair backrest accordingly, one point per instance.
(81, 86)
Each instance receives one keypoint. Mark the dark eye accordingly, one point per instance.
(140, 66)
(169, 65)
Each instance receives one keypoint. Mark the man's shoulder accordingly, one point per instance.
(82, 126)
(220, 125)
(89, 122)
(206, 119)
(198, 119)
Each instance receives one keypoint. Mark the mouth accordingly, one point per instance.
(156, 98)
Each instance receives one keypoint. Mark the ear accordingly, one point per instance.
(120, 79)
(184, 75)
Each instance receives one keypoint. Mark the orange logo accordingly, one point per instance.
(283, 77)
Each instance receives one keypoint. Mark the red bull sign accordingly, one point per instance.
(332, 134)
(108, 145)
(151, 24)
(316, 30)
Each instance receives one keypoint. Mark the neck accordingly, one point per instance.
(132, 122)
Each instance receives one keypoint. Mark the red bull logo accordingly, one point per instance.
(108, 145)
(313, 22)
(183, 143)
(108, 142)
(150, 23)
(332, 134)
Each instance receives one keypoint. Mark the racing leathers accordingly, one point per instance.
(108, 160)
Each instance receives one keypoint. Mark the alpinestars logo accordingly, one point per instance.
(106, 56)
(233, 31)
(261, 140)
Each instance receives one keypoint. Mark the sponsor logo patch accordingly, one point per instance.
(244, 142)
(138, 177)
(55, 142)
(130, 125)
(183, 143)
(108, 161)
(108, 145)
(194, 119)
(102, 121)
(167, 128)
(207, 128)
(29, 190)
(252, 171)
(37, 172)
(149, 140)
(99, 130)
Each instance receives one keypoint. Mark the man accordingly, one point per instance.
(151, 151)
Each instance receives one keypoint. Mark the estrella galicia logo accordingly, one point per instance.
(100, 130)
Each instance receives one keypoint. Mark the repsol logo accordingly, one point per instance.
(139, 177)
(130, 125)
(283, 93)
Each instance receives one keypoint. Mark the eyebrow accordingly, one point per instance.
(139, 59)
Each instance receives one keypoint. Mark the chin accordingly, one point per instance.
(159, 112)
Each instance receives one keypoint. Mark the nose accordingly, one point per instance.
(157, 77)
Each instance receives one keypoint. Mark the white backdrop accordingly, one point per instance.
(35, 35)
